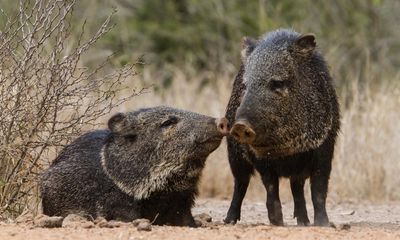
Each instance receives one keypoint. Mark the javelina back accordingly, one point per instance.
(146, 165)
(286, 119)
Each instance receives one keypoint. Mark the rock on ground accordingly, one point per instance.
(45, 221)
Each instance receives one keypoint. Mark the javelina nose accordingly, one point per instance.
(222, 125)
(243, 132)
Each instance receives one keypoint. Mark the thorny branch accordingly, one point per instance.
(46, 97)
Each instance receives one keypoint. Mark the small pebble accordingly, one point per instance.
(345, 227)
(45, 221)
(217, 223)
(99, 220)
(198, 222)
(76, 221)
(139, 220)
(204, 217)
(142, 224)
(214, 227)
(115, 224)
(332, 225)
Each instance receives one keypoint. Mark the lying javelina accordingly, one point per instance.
(146, 165)
(286, 119)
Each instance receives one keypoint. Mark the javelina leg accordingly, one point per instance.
(300, 210)
(120, 213)
(241, 183)
(241, 170)
(167, 214)
(240, 188)
(319, 187)
(319, 183)
(271, 183)
(174, 218)
(181, 215)
(187, 220)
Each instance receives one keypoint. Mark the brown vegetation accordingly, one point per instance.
(46, 97)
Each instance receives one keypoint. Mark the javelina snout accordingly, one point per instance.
(211, 132)
(222, 126)
(243, 132)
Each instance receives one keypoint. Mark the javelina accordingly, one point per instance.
(146, 165)
(286, 119)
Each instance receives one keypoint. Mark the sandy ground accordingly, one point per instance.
(351, 221)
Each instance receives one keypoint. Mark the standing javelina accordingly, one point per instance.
(147, 165)
(286, 119)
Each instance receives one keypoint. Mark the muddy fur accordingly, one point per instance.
(285, 93)
(146, 165)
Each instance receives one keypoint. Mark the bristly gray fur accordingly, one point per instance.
(147, 164)
(299, 116)
(285, 94)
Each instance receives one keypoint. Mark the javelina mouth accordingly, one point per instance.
(209, 140)
(203, 147)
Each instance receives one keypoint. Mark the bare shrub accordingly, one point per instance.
(46, 97)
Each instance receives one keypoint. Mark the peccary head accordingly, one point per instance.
(289, 103)
(159, 149)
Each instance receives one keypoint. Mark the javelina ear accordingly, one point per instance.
(117, 122)
(306, 43)
(248, 45)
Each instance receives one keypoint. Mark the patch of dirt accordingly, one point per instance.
(350, 221)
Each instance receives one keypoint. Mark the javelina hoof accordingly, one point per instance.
(198, 223)
(232, 218)
(76, 221)
(230, 221)
(301, 223)
(321, 221)
(45, 221)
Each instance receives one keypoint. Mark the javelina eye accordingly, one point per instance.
(277, 84)
(170, 121)
(130, 137)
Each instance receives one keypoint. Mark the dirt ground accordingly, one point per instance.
(350, 221)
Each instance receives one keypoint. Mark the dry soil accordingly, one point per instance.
(349, 221)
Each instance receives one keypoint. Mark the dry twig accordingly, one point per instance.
(46, 96)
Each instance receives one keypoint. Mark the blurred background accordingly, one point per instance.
(191, 49)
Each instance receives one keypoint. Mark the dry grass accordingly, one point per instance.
(46, 97)
(366, 162)
(367, 155)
